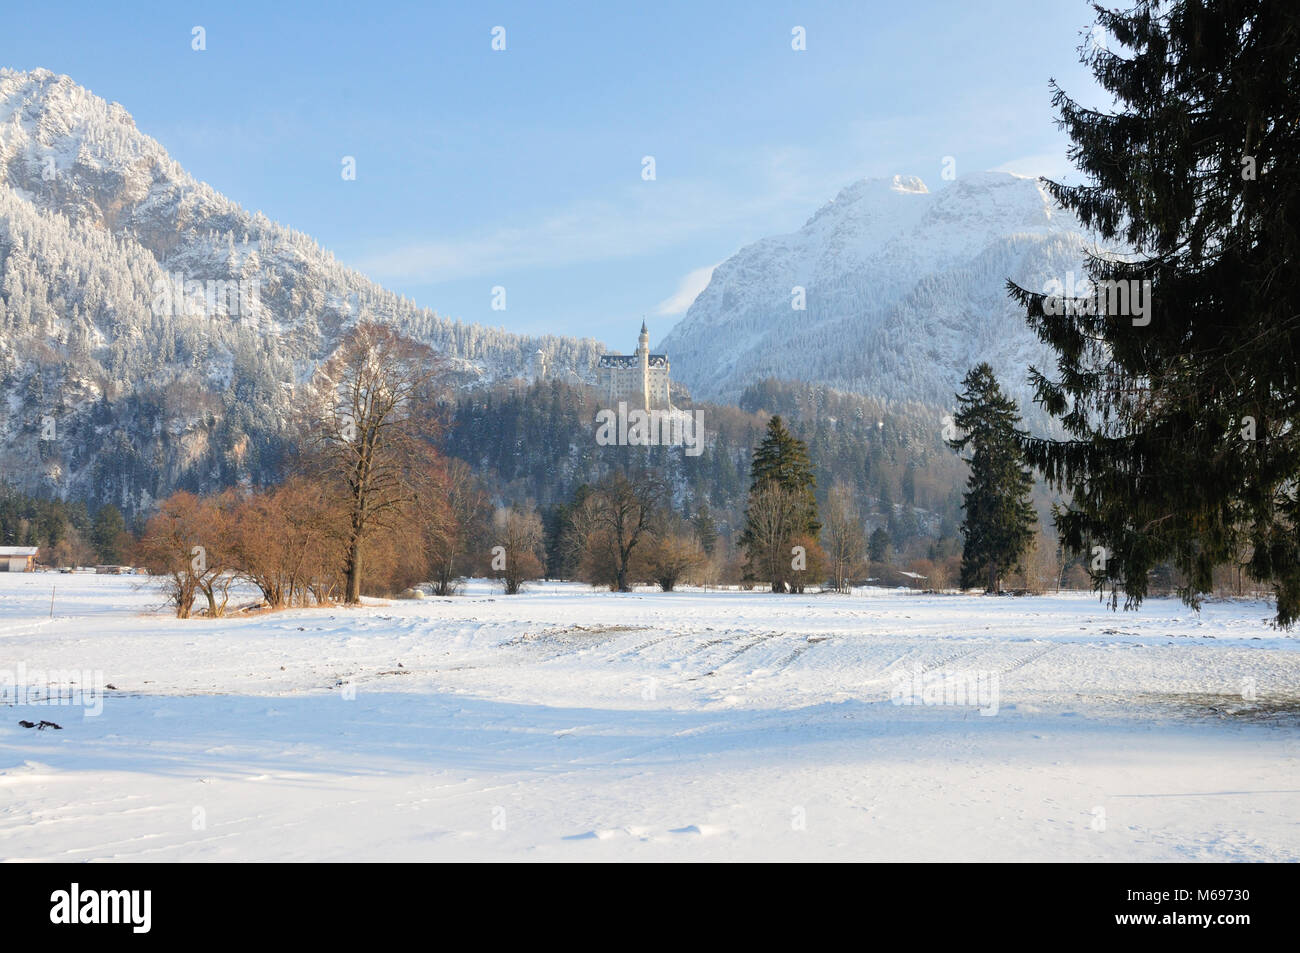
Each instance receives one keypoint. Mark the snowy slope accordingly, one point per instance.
(149, 390)
(567, 724)
(904, 292)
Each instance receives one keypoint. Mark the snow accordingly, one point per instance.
(569, 724)
(95, 220)
(905, 289)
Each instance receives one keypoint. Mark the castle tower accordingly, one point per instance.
(643, 356)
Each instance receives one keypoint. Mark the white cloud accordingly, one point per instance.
(687, 291)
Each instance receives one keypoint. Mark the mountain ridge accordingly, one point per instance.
(903, 289)
(124, 374)
(144, 390)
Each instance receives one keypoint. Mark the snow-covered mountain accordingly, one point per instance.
(904, 290)
(152, 330)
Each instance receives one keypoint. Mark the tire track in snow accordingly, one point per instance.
(644, 645)
(945, 660)
(1029, 659)
(693, 648)
(557, 645)
(926, 665)
(763, 637)
(808, 643)
(882, 674)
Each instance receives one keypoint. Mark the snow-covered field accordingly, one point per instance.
(567, 724)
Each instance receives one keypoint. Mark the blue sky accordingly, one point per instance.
(522, 168)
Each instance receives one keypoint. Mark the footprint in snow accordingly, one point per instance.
(592, 835)
(704, 830)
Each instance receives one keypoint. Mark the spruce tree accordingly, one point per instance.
(878, 545)
(782, 505)
(706, 530)
(1182, 444)
(106, 533)
(999, 521)
(782, 458)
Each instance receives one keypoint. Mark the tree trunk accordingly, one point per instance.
(352, 572)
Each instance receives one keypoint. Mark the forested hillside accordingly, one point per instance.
(152, 331)
(536, 442)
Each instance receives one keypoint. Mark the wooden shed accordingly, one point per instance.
(17, 558)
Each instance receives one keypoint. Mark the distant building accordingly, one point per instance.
(640, 379)
(17, 558)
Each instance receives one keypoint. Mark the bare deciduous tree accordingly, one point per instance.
(453, 528)
(370, 424)
(609, 524)
(671, 556)
(773, 519)
(289, 542)
(518, 533)
(186, 543)
(845, 540)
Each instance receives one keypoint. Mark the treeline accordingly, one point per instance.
(393, 482)
(374, 503)
(370, 502)
(626, 530)
(534, 442)
(65, 533)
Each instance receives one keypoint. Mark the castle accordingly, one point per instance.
(640, 379)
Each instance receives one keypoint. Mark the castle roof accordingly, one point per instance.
(630, 360)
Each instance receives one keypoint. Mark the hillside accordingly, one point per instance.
(152, 331)
(904, 291)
